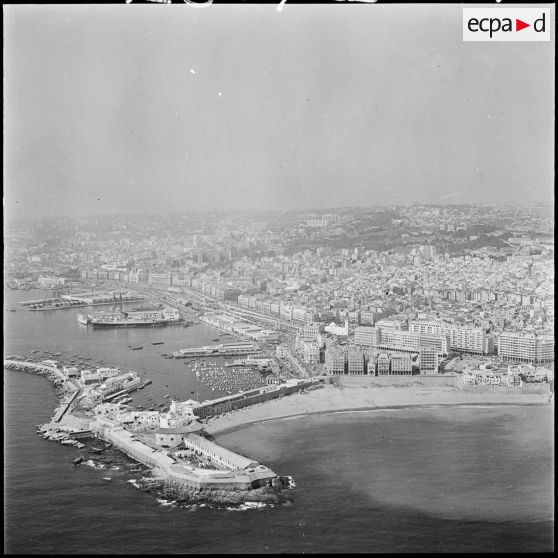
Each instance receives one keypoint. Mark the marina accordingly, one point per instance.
(228, 379)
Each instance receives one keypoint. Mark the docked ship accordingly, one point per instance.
(131, 319)
(83, 319)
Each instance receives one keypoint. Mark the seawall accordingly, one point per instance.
(417, 380)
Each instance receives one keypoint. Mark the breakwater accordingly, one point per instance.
(202, 466)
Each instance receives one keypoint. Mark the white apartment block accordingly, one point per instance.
(526, 347)
(428, 361)
(366, 336)
(464, 339)
(405, 341)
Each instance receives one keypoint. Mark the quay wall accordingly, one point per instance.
(525, 388)
(239, 401)
(417, 380)
(75, 422)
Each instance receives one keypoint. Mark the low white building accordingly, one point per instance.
(334, 329)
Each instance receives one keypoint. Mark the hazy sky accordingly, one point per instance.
(157, 108)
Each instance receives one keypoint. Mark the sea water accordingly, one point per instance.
(443, 480)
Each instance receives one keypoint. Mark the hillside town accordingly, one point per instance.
(397, 290)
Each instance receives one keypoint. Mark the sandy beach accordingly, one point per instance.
(352, 398)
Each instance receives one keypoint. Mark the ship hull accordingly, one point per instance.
(82, 319)
(130, 324)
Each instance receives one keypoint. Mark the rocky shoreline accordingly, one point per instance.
(105, 457)
(182, 496)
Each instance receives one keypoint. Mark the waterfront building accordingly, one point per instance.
(70, 371)
(335, 360)
(405, 341)
(383, 364)
(90, 377)
(183, 407)
(428, 360)
(217, 454)
(401, 364)
(108, 372)
(118, 383)
(487, 377)
(465, 339)
(355, 362)
(534, 374)
(526, 347)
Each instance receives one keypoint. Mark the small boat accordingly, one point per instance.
(158, 343)
(78, 460)
(167, 395)
(136, 348)
(79, 445)
(96, 450)
(69, 442)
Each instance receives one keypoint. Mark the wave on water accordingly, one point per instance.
(91, 463)
(250, 506)
(292, 483)
(164, 502)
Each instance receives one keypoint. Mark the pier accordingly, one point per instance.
(65, 407)
(223, 349)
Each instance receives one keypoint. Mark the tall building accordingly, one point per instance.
(383, 364)
(428, 361)
(366, 336)
(410, 342)
(355, 362)
(526, 347)
(464, 339)
(335, 361)
(401, 365)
